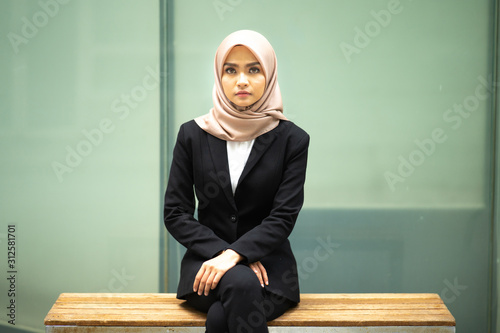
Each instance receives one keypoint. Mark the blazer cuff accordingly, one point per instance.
(244, 260)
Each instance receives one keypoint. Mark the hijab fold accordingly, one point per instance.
(224, 120)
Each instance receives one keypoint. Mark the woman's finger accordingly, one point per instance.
(263, 272)
(201, 277)
(197, 279)
(256, 270)
(216, 280)
(201, 286)
(209, 282)
(211, 271)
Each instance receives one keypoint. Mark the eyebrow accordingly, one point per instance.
(248, 65)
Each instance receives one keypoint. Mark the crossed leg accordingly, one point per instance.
(239, 304)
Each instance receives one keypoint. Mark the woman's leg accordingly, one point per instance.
(241, 296)
(201, 303)
(239, 304)
(216, 318)
(235, 305)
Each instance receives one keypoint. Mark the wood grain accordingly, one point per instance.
(154, 310)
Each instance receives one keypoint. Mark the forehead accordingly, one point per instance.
(240, 53)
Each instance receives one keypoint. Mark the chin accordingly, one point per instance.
(242, 104)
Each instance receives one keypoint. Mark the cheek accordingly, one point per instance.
(227, 84)
(260, 86)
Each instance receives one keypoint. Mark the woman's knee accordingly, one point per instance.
(201, 303)
(241, 279)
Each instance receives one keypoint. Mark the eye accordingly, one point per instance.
(230, 70)
(254, 70)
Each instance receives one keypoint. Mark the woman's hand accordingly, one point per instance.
(261, 272)
(213, 270)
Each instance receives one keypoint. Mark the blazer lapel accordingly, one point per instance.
(260, 146)
(218, 151)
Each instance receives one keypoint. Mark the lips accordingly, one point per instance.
(242, 93)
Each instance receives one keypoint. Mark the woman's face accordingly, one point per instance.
(243, 79)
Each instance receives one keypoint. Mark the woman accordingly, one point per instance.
(247, 164)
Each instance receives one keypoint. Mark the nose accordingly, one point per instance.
(242, 81)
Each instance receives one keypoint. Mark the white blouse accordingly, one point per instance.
(237, 156)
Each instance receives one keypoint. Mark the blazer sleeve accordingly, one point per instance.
(275, 228)
(180, 205)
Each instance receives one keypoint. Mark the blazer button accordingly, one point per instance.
(233, 218)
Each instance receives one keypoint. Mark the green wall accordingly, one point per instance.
(367, 100)
(80, 164)
(393, 94)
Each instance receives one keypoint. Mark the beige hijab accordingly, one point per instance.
(224, 120)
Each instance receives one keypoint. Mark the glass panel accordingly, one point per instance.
(395, 95)
(79, 178)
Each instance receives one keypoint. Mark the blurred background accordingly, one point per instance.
(399, 98)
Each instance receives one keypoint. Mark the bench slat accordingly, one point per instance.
(133, 297)
(169, 307)
(273, 329)
(341, 310)
(339, 320)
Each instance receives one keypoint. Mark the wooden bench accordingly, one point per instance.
(375, 313)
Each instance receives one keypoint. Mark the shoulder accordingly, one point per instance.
(293, 132)
(190, 127)
(189, 130)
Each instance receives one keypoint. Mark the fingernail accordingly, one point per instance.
(262, 285)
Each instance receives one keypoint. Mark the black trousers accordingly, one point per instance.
(239, 304)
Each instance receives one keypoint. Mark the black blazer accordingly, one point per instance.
(256, 221)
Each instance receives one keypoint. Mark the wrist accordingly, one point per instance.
(233, 256)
